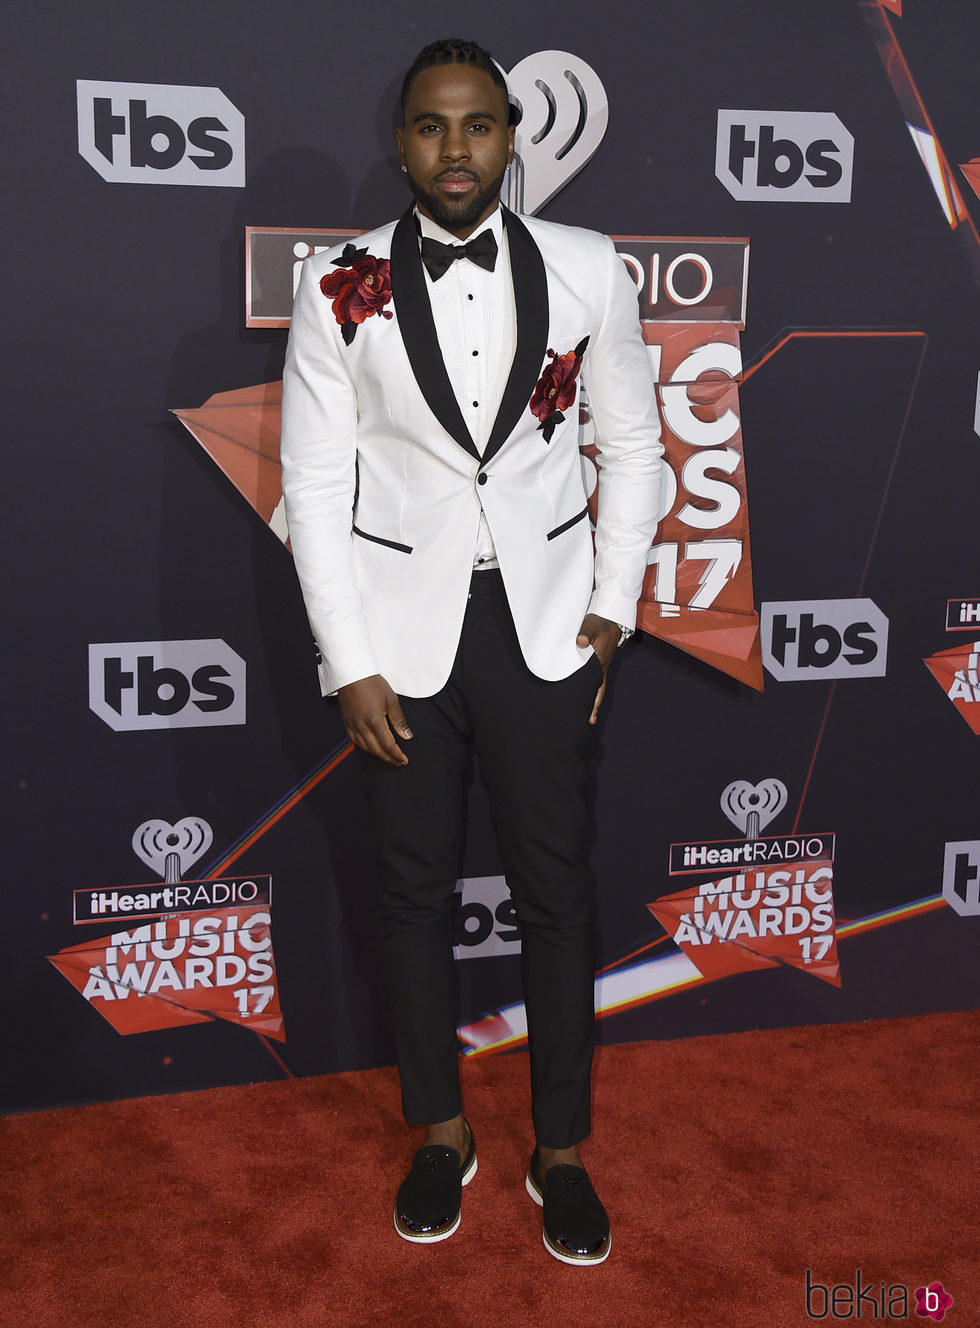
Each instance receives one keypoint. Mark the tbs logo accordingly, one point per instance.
(784, 156)
(824, 638)
(166, 684)
(485, 921)
(961, 877)
(155, 133)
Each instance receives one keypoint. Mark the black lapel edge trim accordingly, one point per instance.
(533, 315)
(418, 332)
(567, 525)
(389, 544)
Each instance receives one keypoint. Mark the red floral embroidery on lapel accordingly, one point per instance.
(361, 287)
(554, 391)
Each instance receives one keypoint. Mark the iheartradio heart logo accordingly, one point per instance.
(565, 113)
(752, 806)
(171, 850)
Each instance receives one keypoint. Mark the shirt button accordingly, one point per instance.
(469, 297)
(481, 479)
(476, 403)
(476, 352)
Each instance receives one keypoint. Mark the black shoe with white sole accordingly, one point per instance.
(427, 1208)
(576, 1228)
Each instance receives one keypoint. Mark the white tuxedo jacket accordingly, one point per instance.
(384, 486)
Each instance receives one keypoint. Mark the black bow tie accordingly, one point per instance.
(439, 258)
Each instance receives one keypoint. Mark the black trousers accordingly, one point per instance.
(534, 741)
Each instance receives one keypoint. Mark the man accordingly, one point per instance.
(437, 513)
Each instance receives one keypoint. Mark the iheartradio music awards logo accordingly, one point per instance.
(565, 114)
(192, 951)
(957, 670)
(768, 900)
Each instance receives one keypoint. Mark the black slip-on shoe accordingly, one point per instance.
(427, 1208)
(576, 1228)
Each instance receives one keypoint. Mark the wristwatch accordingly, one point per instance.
(624, 634)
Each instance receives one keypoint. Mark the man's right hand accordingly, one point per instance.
(372, 716)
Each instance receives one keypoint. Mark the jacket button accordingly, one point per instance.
(481, 479)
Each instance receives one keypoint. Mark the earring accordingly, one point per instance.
(404, 168)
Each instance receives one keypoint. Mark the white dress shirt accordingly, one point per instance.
(475, 319)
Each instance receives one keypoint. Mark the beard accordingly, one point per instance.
(457, 216)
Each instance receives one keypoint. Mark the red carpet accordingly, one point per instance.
(751, 1158)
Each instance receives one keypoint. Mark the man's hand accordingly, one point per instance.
(372, 716)
(603, 636)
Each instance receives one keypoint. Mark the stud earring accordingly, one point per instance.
(405, 168)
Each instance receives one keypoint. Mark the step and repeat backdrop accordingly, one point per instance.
(786, 816)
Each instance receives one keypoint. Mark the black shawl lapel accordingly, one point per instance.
(531, 300)
(419, 332)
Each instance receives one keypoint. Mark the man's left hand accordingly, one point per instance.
(603, 636)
